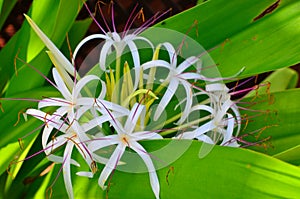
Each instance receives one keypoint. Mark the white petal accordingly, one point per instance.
(85, 174)
(57, 54)
(189, 101)
(54, 101)
(186, 64)
(145, 135)
(204, 128)
(82, 42)
(111, 164)
(151, 169)
(61, 85)
(133, 117)
(172, 53)
(81, 83)
(103, 54)
(66, 169)
(166, 98)
(102, 142)
(156, 63)
(193, 76)
(229, 130)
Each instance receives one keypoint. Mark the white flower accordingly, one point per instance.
(72, 101)
(118, 42)
(221, 127)
(175, 77)
(126, 137)
(71, 135)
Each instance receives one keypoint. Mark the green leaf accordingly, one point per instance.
(261, 45)
(291, 155)
(224, 173)
(57, 19)
(277, 117)
(280, 80)
(5, 8)
(7, 153)
(12, 109)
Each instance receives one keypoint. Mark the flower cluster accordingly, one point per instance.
(130, 101)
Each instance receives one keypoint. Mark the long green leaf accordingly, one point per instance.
(245, 40)
(277, 115)
(240, 173)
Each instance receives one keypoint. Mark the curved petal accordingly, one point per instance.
(82, 42)
(189, 101)
(103, 54)
(156, 63)
(61, 86)
(204, 128)
(111, 164)
(229, 130)
(145, 135)
(186, 64)
(172, 54)
(54, 101)
(81, 83)
(66, 169)
(132, 118)
(99, 143)
(166, 98)
(151, 169)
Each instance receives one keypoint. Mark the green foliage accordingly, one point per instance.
(244, 34)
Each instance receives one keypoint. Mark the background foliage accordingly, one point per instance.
(261, 36)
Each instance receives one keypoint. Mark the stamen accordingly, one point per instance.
(15, 62)
(113, 15)
(171, 169)
(94, 19)
(19, 117)
(126, 28)
(94, 167)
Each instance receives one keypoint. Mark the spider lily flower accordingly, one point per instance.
(126, 137)
(118, 42)
(221, 127)
(72, 135)
(71, 101)
(176, 77)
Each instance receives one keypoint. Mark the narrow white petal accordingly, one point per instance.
(166, 98)
(229, 130)
(104, 53)
(172, 53)
(193, 76)
(156, 63)
(85, 174)
(186, 64)
(133, 117)
(145, 135)
(189, 101)
(151, 169)
(48, 102)
(102, 142)
(81, 83)
(111, 164)
(204, 128)
(66, 169)
(82, 42)
(61, 85)
(57, 54)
